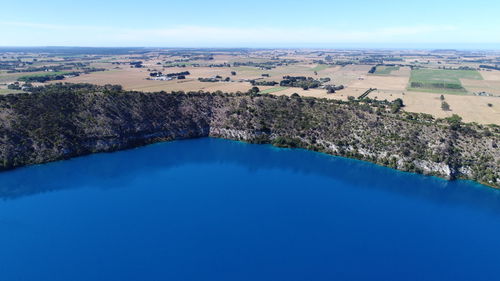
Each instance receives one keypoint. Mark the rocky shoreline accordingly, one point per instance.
(63, 121)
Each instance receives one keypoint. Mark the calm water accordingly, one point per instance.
(211, 209)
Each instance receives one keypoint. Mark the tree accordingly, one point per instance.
(330, 89)
(399, 102)
(254, 90)
(396, 105)
(14, 86)
(445, 106)
(454, 121)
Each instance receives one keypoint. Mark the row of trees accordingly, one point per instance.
(263, 83)
(496, 67)
(300, 82)
(453, 86)
(216, 79)
(46, 77)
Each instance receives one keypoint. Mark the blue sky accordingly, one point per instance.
(216, 23)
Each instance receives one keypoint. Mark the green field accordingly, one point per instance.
(273, 90)
(8, 91)
(386, 70)
(252, 59)
(320, 67)
(45, 74)
(246, 68)
(180, 64)
(11, 77)
(441, 80)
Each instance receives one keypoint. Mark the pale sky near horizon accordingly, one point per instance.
(258, 23)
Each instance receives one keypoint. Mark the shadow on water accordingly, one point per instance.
(111, 168)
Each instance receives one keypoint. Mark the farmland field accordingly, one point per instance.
(11, 77)
(441, 80)
(45, 73)
(320, 67)
(386, 70)
(8, 91)
(474, 94)
(273, 90)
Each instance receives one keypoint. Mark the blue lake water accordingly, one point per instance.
(210, 209)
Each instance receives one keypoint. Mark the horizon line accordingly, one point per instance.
(380, 46)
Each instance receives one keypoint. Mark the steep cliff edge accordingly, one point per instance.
(63, 121)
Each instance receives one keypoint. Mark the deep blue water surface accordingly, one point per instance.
(210, 209)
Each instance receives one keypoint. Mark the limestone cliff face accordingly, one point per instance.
(63, 121)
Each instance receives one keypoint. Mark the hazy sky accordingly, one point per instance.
(257, 23)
